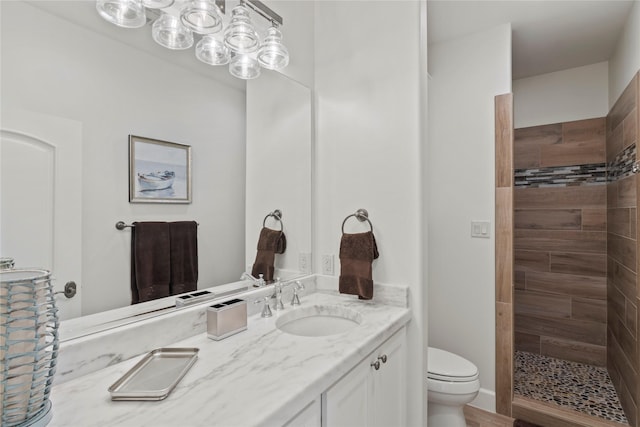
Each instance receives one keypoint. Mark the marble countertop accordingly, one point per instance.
(259, 377)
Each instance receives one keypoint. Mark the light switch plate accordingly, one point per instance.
(304, 262)
(481, 229)
(327, 264)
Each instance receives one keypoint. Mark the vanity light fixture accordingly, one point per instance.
(221, 40)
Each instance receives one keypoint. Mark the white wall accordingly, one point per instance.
(625, 61)
(368, 146)
(467, 74)
(53, 67)
(563, 96)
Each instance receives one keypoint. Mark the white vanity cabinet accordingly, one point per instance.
(370, 396)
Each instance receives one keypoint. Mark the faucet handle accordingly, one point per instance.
(297, 286)
(266, 310)
(261, 281)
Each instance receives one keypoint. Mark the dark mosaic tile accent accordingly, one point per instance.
(579, 387)
(622, 166)
(561, 176)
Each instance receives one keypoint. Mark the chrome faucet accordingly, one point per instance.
(277, 294)
(257, 283)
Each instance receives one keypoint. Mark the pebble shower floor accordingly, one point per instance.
(583, 388)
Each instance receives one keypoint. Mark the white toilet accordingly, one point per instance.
(452, 382)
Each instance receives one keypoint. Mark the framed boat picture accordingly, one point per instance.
(159, 171)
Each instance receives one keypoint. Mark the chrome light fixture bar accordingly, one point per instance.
(221, 40)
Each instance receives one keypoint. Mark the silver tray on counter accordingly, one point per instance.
(153, 377)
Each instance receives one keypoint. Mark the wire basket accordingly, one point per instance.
(28, 346)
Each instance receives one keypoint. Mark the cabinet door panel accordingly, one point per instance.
(389, 383)
(348, 402)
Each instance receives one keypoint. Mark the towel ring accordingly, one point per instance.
(361, 215)
(277, 214)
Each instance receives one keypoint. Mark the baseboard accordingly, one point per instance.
(485, 400)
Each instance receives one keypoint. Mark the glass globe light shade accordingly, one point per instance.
(272, 54)
(123, 13)
(212, 51)
(157, 4)
(170, 33)
(201, 16)
(240, 36)
(244, 67)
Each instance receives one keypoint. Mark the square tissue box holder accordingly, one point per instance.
(226, 319)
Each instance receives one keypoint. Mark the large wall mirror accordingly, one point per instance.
(74, 87)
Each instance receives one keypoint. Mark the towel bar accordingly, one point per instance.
(361, 215)
(120, 225)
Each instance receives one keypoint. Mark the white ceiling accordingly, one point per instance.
(548, 35)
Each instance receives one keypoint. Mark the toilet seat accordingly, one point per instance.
(445, 366)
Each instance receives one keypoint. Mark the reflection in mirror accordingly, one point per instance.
(70, 97)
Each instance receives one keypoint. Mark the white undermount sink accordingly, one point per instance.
(318, 321)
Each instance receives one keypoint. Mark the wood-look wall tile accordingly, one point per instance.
(561, 241)
(589, 130)
(622, 278)
(627, 192)
(573, 350)
(628, 402)
(633, 221)
(531, 260)
(520, 279)
(542, 305)
(623, 250)
(630, 128)
(567, 284)
(594, 219)
(504, 244)
(614, 143)
(549, 219)
(628, 343)
(583, 142)
(612, 195)
(580, 197)
(617, 361)
(589, 309)
(575, 330)
(504, 357)
(616, 304)
(631, 318)
(504, 140)
(619, 221)
(527, 143)
(574, 263)
(575, 154)
(527, 342)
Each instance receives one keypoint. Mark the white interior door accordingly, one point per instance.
(40, 198)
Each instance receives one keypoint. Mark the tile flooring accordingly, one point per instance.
(583, 388)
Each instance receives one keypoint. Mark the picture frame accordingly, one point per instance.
(159, 171)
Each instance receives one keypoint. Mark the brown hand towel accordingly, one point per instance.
(357, 252)
(270, 242)
(150, 261)
(184, 256)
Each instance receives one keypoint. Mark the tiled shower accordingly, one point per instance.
(576, 290)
